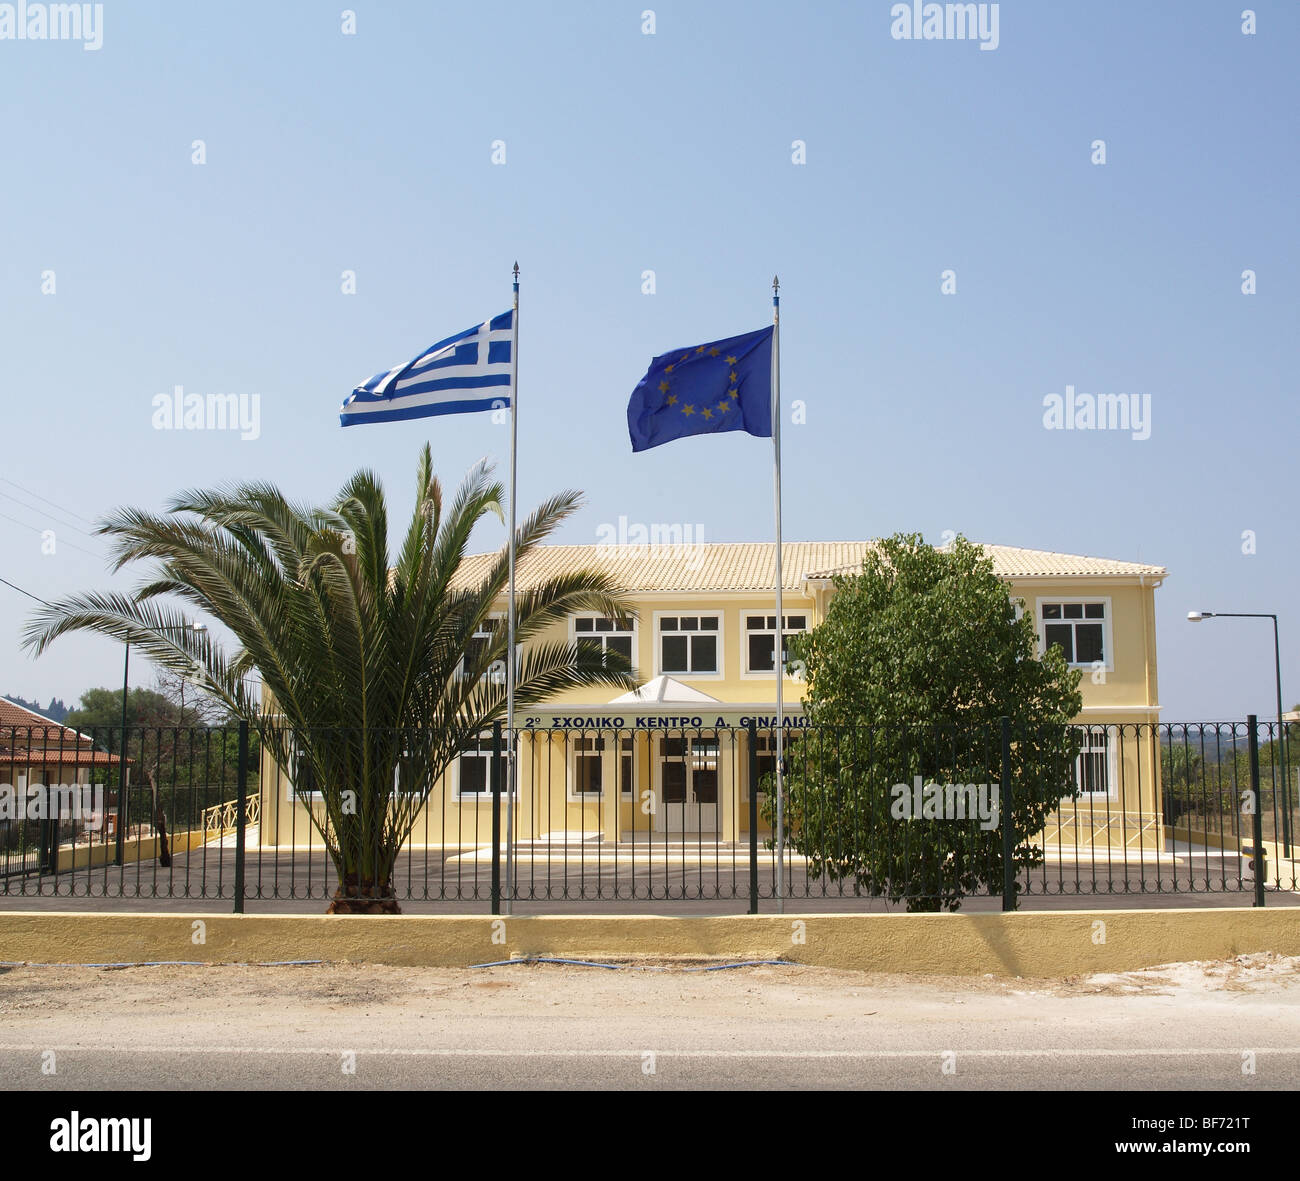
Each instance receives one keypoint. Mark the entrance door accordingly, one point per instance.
(688, 785)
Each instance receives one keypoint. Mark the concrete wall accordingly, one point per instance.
(1031, 944)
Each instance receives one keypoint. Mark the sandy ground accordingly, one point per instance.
(534, 1024)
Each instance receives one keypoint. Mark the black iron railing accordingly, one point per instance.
(653, 817)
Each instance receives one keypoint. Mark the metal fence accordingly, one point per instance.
(654, 818)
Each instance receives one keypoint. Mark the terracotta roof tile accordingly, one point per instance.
(50, 755)
(1011, 561)
(749, 566)
(18, 717)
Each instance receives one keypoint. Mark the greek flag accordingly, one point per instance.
(466, 372)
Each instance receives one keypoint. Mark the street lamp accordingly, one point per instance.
(121, 775)
(1196, 617)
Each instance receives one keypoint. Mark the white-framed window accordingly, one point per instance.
(484, 635)
(759, 640)
(404, 781)
(301, 774)
(765, 744)
(473, 770)
(298, 769)
(586, 766)
(590, 765)
(627, 766)
(611, 634)
(689, 645)
(1096, 768)
(689, 769)
(1079, 627)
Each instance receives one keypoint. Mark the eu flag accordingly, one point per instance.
(725, 385)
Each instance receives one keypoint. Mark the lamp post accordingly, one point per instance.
(1196, 617)
(121, 772)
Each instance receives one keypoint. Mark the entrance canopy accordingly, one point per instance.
(665, 689)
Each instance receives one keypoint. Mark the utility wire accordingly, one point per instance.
(36, 508)
(69, 544)
(46, 499)
(28, 593)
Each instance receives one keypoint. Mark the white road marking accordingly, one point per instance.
(1182, 1052)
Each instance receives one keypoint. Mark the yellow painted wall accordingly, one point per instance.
(1027, 944)
(133, 849)
(1124, 695)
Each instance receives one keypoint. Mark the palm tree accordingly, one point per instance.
(374, 667)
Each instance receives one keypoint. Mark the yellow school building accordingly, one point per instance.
(672, 760)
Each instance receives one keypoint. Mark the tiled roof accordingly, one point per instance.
(46, 756)
(28, 738)
(1010, 561)
(1013, 562)
(708, 566)
(750, 566)
(17, 717)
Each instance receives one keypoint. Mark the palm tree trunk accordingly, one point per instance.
(364, 895)
(159, 822)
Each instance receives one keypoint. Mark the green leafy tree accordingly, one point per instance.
(99, 714)
(56, 711)
(183, 747)
(1205, 776)
(148, 713)
(1183, 779)
(370, 661)
(917, 660)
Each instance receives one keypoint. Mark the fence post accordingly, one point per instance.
(1257, 820)
(495, 777)
(1008, 829)
(48, 831)
(753, 817)
(119, 842)
(241, 815)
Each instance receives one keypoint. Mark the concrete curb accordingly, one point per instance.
(1042, 944)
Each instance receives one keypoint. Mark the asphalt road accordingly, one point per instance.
(618, 1069)
(1233, 1026)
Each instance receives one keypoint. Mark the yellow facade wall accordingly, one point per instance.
(1123, 694)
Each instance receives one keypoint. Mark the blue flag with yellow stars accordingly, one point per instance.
(725, 385)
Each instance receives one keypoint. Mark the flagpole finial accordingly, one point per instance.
(516, 268)
(776, 282)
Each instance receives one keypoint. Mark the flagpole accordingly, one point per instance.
(511, 768)
(779, 654)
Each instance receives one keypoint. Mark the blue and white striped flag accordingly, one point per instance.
(466, 372)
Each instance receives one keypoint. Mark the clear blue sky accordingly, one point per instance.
(672, 152)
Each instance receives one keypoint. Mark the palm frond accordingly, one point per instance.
(374, 667)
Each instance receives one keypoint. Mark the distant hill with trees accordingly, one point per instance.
(56, 711)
